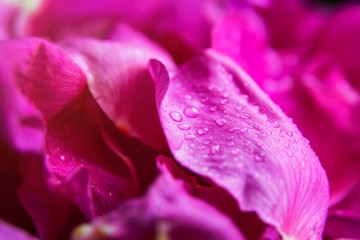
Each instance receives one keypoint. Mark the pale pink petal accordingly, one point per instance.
(166, 212)
(219, 124)
(22, 125)
(118, 79)
(8, 231)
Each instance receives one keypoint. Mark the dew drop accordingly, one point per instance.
(303, 164)
(213, 108)
(207, 142)
(245, 115)
(303, 151)
(176, 116)
(201, 131)
(220, 122)
(184, 126)
(243, 130)
(231, 130)
(240, 108)
(289, 133)
(258, 157)
(187, 97)
(189, 136)
(191, 112)
(276, 124)
(290, 153)
(226, 95)
(224, 101)
(62, 157)
(215, 149)
(230, 144)
(235, 151)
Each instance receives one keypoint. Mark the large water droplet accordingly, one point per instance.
(191, 112)
(213, 108)
(62, 157)
(184, 126)
(176, 116)
(220, 122)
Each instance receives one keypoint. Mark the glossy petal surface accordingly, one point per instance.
(219, 124)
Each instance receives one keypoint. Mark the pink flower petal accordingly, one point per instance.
(119, 81)
(344, 218)
(167, 211)
(97, 180)
(50, 211)
(22, 125)
(221, 125)
(8, 231)
(53, 81)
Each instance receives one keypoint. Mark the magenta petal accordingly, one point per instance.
(221, 125)
(8, 231)
(95, 178)
(53, 81)
(119, 81)
(166, 212)
(22, 125)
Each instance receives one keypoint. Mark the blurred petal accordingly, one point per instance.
(119, 81)
(340, 40)
(51, 213)
(8, 231)
(344, 218)
(22, 125)
(166, 212)
(224, 127)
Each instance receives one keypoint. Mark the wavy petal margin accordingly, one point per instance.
(219, 124)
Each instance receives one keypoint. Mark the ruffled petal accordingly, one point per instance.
(166, 212)
(219, 124)
(118, 79)
(22, 124)
(53, 80)
(96, 179)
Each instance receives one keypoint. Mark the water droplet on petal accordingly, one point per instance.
(243, 130)
(303, 164)
(176, 116)
(245, 115)
(191, 112)
(201, 131)
(189, 136)
(224, 101)
(62, 157)
(213, 108)
(276, 124)
(289, 133)
(184, 126)
(235, 151)
(290, 153)
(215, 149)
(231, 130)
(220, 122)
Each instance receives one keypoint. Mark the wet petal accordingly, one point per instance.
(231, 132)
(119, 81)
(96, 179)
(166, 212)
(22, 125)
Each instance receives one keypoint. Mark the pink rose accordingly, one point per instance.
(158, 119)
